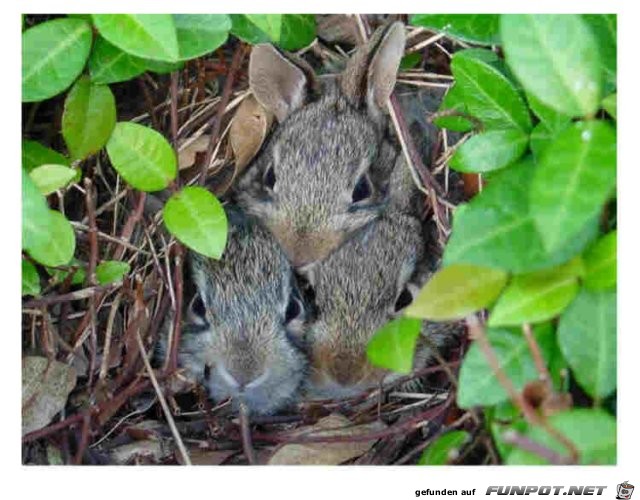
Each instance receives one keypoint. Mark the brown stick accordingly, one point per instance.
(238, 57)
(536, 353)
(245, 431)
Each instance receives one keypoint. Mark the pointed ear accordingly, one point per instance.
(279, 83)
(371, 73)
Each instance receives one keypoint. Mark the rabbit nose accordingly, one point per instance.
(240, 381)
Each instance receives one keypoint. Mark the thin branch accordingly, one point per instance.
(245, 431)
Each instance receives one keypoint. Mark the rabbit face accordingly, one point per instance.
(247, 324)
(357, 290)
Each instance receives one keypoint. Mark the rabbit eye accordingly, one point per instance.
(404, 299)
(198, 307)
(294, 310)
(362, 189)
(269, 178)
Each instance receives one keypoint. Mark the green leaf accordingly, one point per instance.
(50, 178)
(392, 347)
(604, 27)
(478, 385)
(111, 271)
(496, 229)
(489, 151)
(289, 31)
(109, 64)
(553, 119)
(537, 296)
(198, 220)
(60, 275)
(487, 93)
(36, 218)
(456, 291)
(445, 449)
(575, 177)
(601, 263)
(54, 246)
(142, 156)
(53, 55)
(587, 338)
(162, 67)
(88, 118)
(35, 154)
(592, 431)
(541, 137)
(475, 28)
(453, 100)
(150, 36)
(199, 34)
(555, 57)
(30, 279)
(410, 61)
(610, 105)
(499, 430)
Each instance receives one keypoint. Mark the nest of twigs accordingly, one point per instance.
(122, 410)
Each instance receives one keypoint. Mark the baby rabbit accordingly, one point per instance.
(357, 289)
(324, 172)
(245, 336)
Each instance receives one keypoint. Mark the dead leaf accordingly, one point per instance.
(248, 131)
(188, 152)
(327, 453)
(148, 449)
(46, 385)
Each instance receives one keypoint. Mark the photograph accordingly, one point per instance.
(321, 240)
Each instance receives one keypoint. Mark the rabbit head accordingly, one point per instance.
(324, 172)
(357, 289)
(244, 339)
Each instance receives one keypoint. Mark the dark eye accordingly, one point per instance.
(404, 299)
(269, 178)
(198, 307)
(294, 310)
(362, 189)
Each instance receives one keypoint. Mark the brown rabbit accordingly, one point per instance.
(244, 336)
(324, 173)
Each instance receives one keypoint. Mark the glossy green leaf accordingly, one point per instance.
(457, 291)
(587, 338)
(289, 31)
(198, 220)
(30, 279)
(53, 55)
(475, 28)
(488, 94)
(109, 64)
(553, 119)
(601, 263)
(453, 101)
(556, 58)
(162, 67)
(489, 151)
(537, 296)
(575, 177)
(478, 385)
(151, 36)
(541, 136)
(142, 156)
(60, 275)
(111, 271)
(35, 154)
(56, 244)
(88, 118)
(604, 27)
(592, 431)
(199, 34)
(496, 229)
(610, 105)
(410, 61)
(50, 178)
(392, 347)
(35, 213)
(445, 449)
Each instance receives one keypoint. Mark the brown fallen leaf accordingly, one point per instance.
(188, 152)
(327, 453)
(248, 131)
(46, 385)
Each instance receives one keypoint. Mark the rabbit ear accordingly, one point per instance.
(370, 75)
(279, 83)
